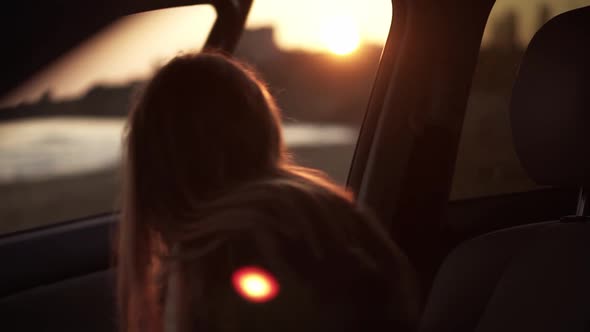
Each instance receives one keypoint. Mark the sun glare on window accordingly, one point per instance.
(341, 35)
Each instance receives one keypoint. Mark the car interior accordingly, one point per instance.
(508, 262)
(531, 277)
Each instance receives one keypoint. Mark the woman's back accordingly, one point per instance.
(334, 266)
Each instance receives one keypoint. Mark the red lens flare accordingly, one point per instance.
(255, 284)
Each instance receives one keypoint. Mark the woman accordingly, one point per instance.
(210, 188)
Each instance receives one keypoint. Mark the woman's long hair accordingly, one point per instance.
(203, 140)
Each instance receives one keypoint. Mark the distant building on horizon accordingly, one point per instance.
(258, 45)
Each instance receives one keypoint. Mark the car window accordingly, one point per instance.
(320, 65)
(60, 134)
(487, 163)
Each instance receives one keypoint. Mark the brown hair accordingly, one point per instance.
(204, 141)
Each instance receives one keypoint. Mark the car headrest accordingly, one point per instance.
(550, 108)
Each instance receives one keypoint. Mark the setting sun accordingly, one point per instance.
(341, 35)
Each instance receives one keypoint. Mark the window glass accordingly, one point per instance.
(60, 134)
(487, 163)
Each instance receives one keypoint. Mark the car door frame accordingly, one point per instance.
(414, 121)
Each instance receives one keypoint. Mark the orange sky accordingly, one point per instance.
(133, 46)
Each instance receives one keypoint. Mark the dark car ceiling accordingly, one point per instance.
(35, 32)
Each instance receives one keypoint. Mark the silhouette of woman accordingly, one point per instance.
(210, 190)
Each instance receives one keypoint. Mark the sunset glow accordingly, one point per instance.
(131, 48)
(341, 35)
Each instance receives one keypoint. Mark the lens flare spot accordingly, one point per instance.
(255, 284)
